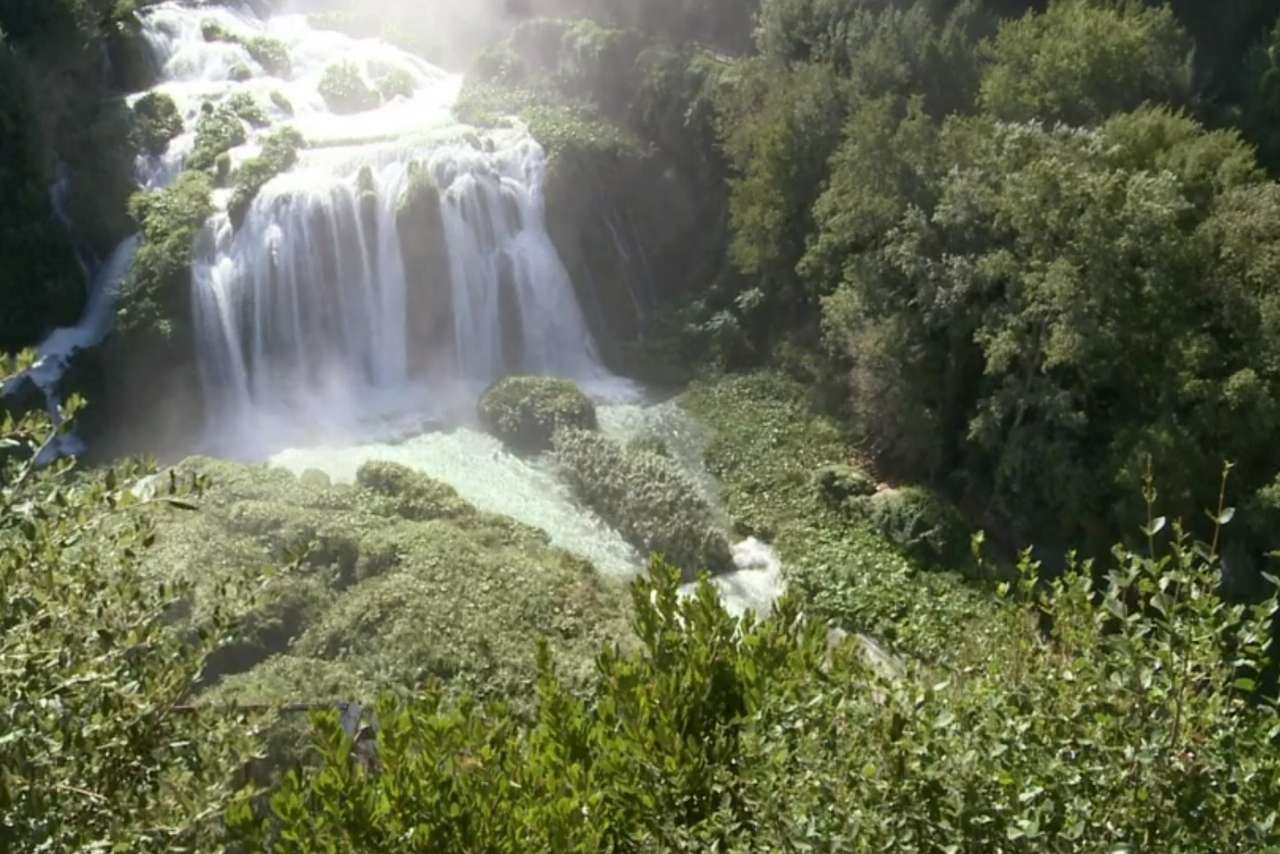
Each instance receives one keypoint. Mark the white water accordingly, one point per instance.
(306, 317)
(310, 333)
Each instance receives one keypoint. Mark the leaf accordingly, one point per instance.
(1226, 516)
(1157, 525)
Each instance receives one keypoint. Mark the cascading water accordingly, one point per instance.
(402, 265)
(403, 255)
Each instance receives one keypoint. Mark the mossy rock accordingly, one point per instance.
(345, 91)
(838, 483)
(413, 495)
(647, 498)
(156, 122)
(425, 587)
(923, 524)
(525, 412)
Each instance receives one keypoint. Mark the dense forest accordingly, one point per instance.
(970, 309)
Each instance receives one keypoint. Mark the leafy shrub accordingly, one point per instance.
(414, 495)
(524, 412)
(279, 154)
(715, 734)
(281, 102)
(1081, 62)
(218, 131)
(156, 121)
(394, 82)
(154, 298)
(270, 53)
(837, 483)
(97, 752)
(246, 109)
(920, 523)
(646, 497)
(345, 91)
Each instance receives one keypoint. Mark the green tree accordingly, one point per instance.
(1053, 308)
(1080, 61)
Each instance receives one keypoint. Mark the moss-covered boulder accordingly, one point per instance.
(247, 109)
(156, 122)
(525, 412)
(354, 590)
(411, 494)
(344, 90)
(218, 131)
(647, 498)
(279, 154)
(269, 53)
(919, 521)
(838, 483)
(420, 230)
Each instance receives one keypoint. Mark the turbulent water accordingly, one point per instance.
(329, 304)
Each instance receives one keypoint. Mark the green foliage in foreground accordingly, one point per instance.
(647, 497)
(525, 412)
(94, 752)
(279, 154)
(1132, 721)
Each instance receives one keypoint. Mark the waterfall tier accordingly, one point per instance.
(404, 254)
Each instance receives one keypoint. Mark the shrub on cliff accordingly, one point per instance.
(279, 154)
(270, 53)
(156, 122)
(646, 497)
(218, 131)
(524, 412)
(345, 90)
(154, 297)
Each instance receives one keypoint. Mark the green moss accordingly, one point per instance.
(524, 412)
(395, 82)
(556, 123)
(270, 53)
(413, 495)
(921, 523)
(279, 154)
(768, 443)
(241, 73)
(838, 483)
(647, 498)
(281, 103)
(247, 109)
(156, 122)
(154, 300)
(397, 580)
(345, 90)
(219, 130)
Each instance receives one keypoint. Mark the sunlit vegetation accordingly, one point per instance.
(977, 302)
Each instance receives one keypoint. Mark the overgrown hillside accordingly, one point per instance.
(976, 302)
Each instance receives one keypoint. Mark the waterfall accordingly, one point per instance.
(404, 254)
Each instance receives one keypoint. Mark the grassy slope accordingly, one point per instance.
(768, 445)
